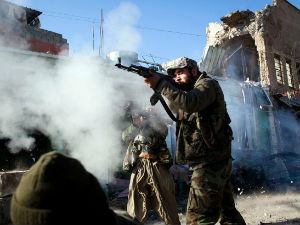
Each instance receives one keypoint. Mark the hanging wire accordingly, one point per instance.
(92, 20)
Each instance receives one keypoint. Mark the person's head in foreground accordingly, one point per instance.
(58, 190)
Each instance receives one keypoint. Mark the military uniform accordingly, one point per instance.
(151, 185)
(204, 142)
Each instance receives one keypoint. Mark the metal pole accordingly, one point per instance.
(101, 34)
(93, 37)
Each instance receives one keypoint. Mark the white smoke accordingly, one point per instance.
(266, 138)
(120, 33)
(76, 100)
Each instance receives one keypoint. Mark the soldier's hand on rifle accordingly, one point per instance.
(153, 80)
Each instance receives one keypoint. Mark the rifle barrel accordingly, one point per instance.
(145, 72)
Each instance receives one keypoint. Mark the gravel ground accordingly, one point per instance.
(275, 209)
(258, 209)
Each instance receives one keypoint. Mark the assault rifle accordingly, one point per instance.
(145, 72)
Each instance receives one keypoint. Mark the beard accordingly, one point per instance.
(188, 85)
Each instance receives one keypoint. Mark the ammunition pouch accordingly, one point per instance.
(131, 158)
(147, 149)
(210, 127)
(165, 158)
(207, 132)
(202, 137)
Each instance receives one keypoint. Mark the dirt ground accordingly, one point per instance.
(275, 209)
(257, 209)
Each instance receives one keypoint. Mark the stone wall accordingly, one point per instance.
(282, 37)
(275, 30)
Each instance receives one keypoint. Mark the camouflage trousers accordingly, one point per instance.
(210, 198)
(152, 187)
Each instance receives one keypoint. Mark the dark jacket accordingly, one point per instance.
(203, 135)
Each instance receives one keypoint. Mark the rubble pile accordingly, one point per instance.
(8, 183)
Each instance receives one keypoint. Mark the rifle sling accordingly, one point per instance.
(166, 107)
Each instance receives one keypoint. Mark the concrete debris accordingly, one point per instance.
(257, 43)
(9, 182)
(255, 56)
(237, 18)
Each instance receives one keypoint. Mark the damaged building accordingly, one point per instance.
(21, 37)
(256, 58)
(20, 28)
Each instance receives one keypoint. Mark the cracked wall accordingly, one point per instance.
(258, 38)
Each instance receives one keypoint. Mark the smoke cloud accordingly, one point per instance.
(266, 138)
(120, 33)
(77, 101)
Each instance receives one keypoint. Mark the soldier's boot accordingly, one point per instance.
(232, 218)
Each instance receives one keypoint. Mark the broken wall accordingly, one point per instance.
(282, 38)
(250, 47)
(274, 33)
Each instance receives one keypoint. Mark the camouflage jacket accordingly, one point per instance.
(203, 135)
(154, 142)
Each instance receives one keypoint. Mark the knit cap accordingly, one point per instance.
(178, 63)
(58, 190)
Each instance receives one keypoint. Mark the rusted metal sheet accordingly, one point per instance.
(212, 62)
